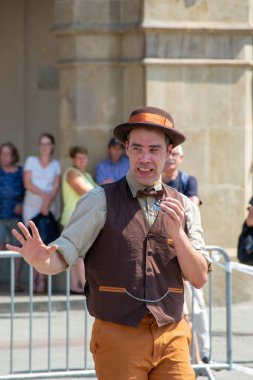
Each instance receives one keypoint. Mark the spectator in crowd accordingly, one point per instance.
(183, 182)
(11, 199)
(42, 176)
(76, 182)
(115, 167)
(135, 258)
(188, 185)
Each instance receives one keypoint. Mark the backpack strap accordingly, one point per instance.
(184, 179)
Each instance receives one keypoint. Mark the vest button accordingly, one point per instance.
(149, 237)
(149, 286)
(149, 269)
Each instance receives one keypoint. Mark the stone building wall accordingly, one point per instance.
(29, 82)
(78, 67)
(191, 57)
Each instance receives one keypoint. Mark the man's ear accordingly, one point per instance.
(126, 147)
(169, 151)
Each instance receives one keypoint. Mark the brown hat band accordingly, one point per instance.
(150, 118)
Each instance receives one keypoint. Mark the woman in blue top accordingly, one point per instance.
(11, 197)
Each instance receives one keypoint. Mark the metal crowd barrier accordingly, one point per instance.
(219, 257)
(66, 371)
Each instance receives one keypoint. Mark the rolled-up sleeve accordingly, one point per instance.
(84, 226)
(194, 227)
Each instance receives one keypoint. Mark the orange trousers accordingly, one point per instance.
(145, 352)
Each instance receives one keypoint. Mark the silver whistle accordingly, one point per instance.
(156, 205)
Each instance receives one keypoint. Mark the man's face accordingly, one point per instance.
(115, 152)
(147, 153)
(174, 159)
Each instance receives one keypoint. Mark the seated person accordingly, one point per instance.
(115, 167)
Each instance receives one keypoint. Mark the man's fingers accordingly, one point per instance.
(18, 236)
(173, 209)
(174, 206)
(13, 248)
(35, 232)
(169, 210)
(25, 231)
(174, 201)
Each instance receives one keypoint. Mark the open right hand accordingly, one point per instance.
(33, 250)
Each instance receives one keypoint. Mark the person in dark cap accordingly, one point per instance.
(139, 238)
(115, 167)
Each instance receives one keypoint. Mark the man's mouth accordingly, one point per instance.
(145, 170)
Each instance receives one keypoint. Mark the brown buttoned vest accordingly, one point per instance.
(130, 265)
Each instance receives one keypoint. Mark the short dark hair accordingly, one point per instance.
(49, 136)
(74, 150)
(13, 149)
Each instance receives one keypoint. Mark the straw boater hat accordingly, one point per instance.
(150, 117)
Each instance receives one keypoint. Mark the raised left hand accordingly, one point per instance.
(175, 212)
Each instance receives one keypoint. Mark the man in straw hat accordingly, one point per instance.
(139, 238)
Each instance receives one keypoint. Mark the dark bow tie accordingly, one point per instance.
(150, 192)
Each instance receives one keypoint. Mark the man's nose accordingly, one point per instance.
(145, 157)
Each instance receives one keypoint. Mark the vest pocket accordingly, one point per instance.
(111, 289)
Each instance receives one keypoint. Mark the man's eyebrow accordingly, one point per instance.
(155, 146)
(136, 144)
(150, 146)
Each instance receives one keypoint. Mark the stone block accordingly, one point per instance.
(226, 157)
(133, 46)
(195, 45)
(197, 10)
(196, 156)
(229, 10)
(68, 83)
(133, 90)
(107, 12)
(222, 212)
(67, 48)
(199, 96)
(131, 11)
(68, 139)
(99, 95)
(98, 46)
(63, 12)
(174, 10)
(48, 78)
